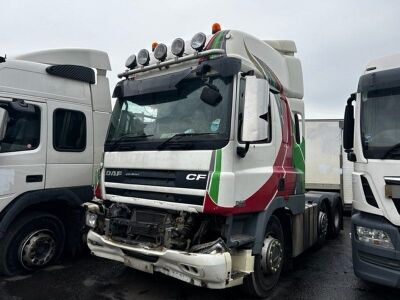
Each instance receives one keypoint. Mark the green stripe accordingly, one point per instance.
(214, 188)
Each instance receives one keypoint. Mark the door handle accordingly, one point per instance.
(34, 178)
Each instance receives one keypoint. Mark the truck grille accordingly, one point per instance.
(176, 198)
(159, 178)
(165, 178)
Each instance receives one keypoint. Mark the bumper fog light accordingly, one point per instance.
(374, 237)
(91, 220)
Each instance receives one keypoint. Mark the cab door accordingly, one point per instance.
(23, 149)
(70, 145)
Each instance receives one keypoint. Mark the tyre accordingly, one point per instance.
(335, 220)
(323, 223)
(267, 265)
(33, 241)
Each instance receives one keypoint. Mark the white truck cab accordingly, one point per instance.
(54, 111)
(203, 175)
(372, 140)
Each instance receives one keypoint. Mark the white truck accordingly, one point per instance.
(203, 174)
(372, 140)
(54, 113)
(326, 162)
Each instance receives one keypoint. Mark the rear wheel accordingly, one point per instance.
(336, 215)
(267, 265)
(323, 223)
(34, 241)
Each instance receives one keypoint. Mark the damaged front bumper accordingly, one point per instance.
(205, 270)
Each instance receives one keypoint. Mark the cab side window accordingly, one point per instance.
(69, 130)
(23, 128)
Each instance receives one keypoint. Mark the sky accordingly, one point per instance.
(335, 38)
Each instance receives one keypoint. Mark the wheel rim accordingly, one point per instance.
(323, 223)
(271, 256)
(38, 249)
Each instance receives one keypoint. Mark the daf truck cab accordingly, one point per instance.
(203, 173)
(55, 107)
(372, 140)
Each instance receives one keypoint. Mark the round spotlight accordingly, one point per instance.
(131, 62)
(160, 52)
(198, 41)
(143, 57)
(178, 47)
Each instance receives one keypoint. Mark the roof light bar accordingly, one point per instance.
(173, 61)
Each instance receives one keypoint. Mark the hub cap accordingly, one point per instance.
(323, 223)
(271, 255)
(37, 249)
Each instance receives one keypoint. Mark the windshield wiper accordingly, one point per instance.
(179, 135)
(127, 136)
(389, 152)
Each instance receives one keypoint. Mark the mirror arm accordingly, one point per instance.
(242, 151)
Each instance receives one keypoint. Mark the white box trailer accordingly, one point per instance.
(326, 163)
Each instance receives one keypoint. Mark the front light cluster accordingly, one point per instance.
(375, 237)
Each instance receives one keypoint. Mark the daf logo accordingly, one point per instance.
(195, 176)
(113, 173)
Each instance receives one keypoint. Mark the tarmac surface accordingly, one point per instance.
(318, 274)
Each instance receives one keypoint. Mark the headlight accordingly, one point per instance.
(131, 62)
(91, 219)
(178, 47)
(198, 41)
(375, 237)
(160, 52)
(143, 57)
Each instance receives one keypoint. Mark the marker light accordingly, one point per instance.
(374, 237)
(154, 46)
(215, 28)
(160, 52)
(131, 62)
(143, 57)
(198, 41)
(178, 47)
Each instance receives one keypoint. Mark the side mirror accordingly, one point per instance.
(348, 128)
(256, 102)
(3, 123)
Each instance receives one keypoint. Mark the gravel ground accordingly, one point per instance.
(318, 274)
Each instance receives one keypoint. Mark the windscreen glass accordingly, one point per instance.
(380, 123)
(194, 116)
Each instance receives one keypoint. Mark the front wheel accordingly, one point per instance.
(34, 241)
(267, 265)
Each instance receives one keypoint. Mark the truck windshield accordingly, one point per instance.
(380, 123)
(177, 119)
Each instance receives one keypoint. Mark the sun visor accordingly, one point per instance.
(379, 80)
(224, 66)
(168, 82)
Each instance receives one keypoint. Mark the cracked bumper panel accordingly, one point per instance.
(373, 263)
(206, 270)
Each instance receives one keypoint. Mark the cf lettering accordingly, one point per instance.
(195, 176)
